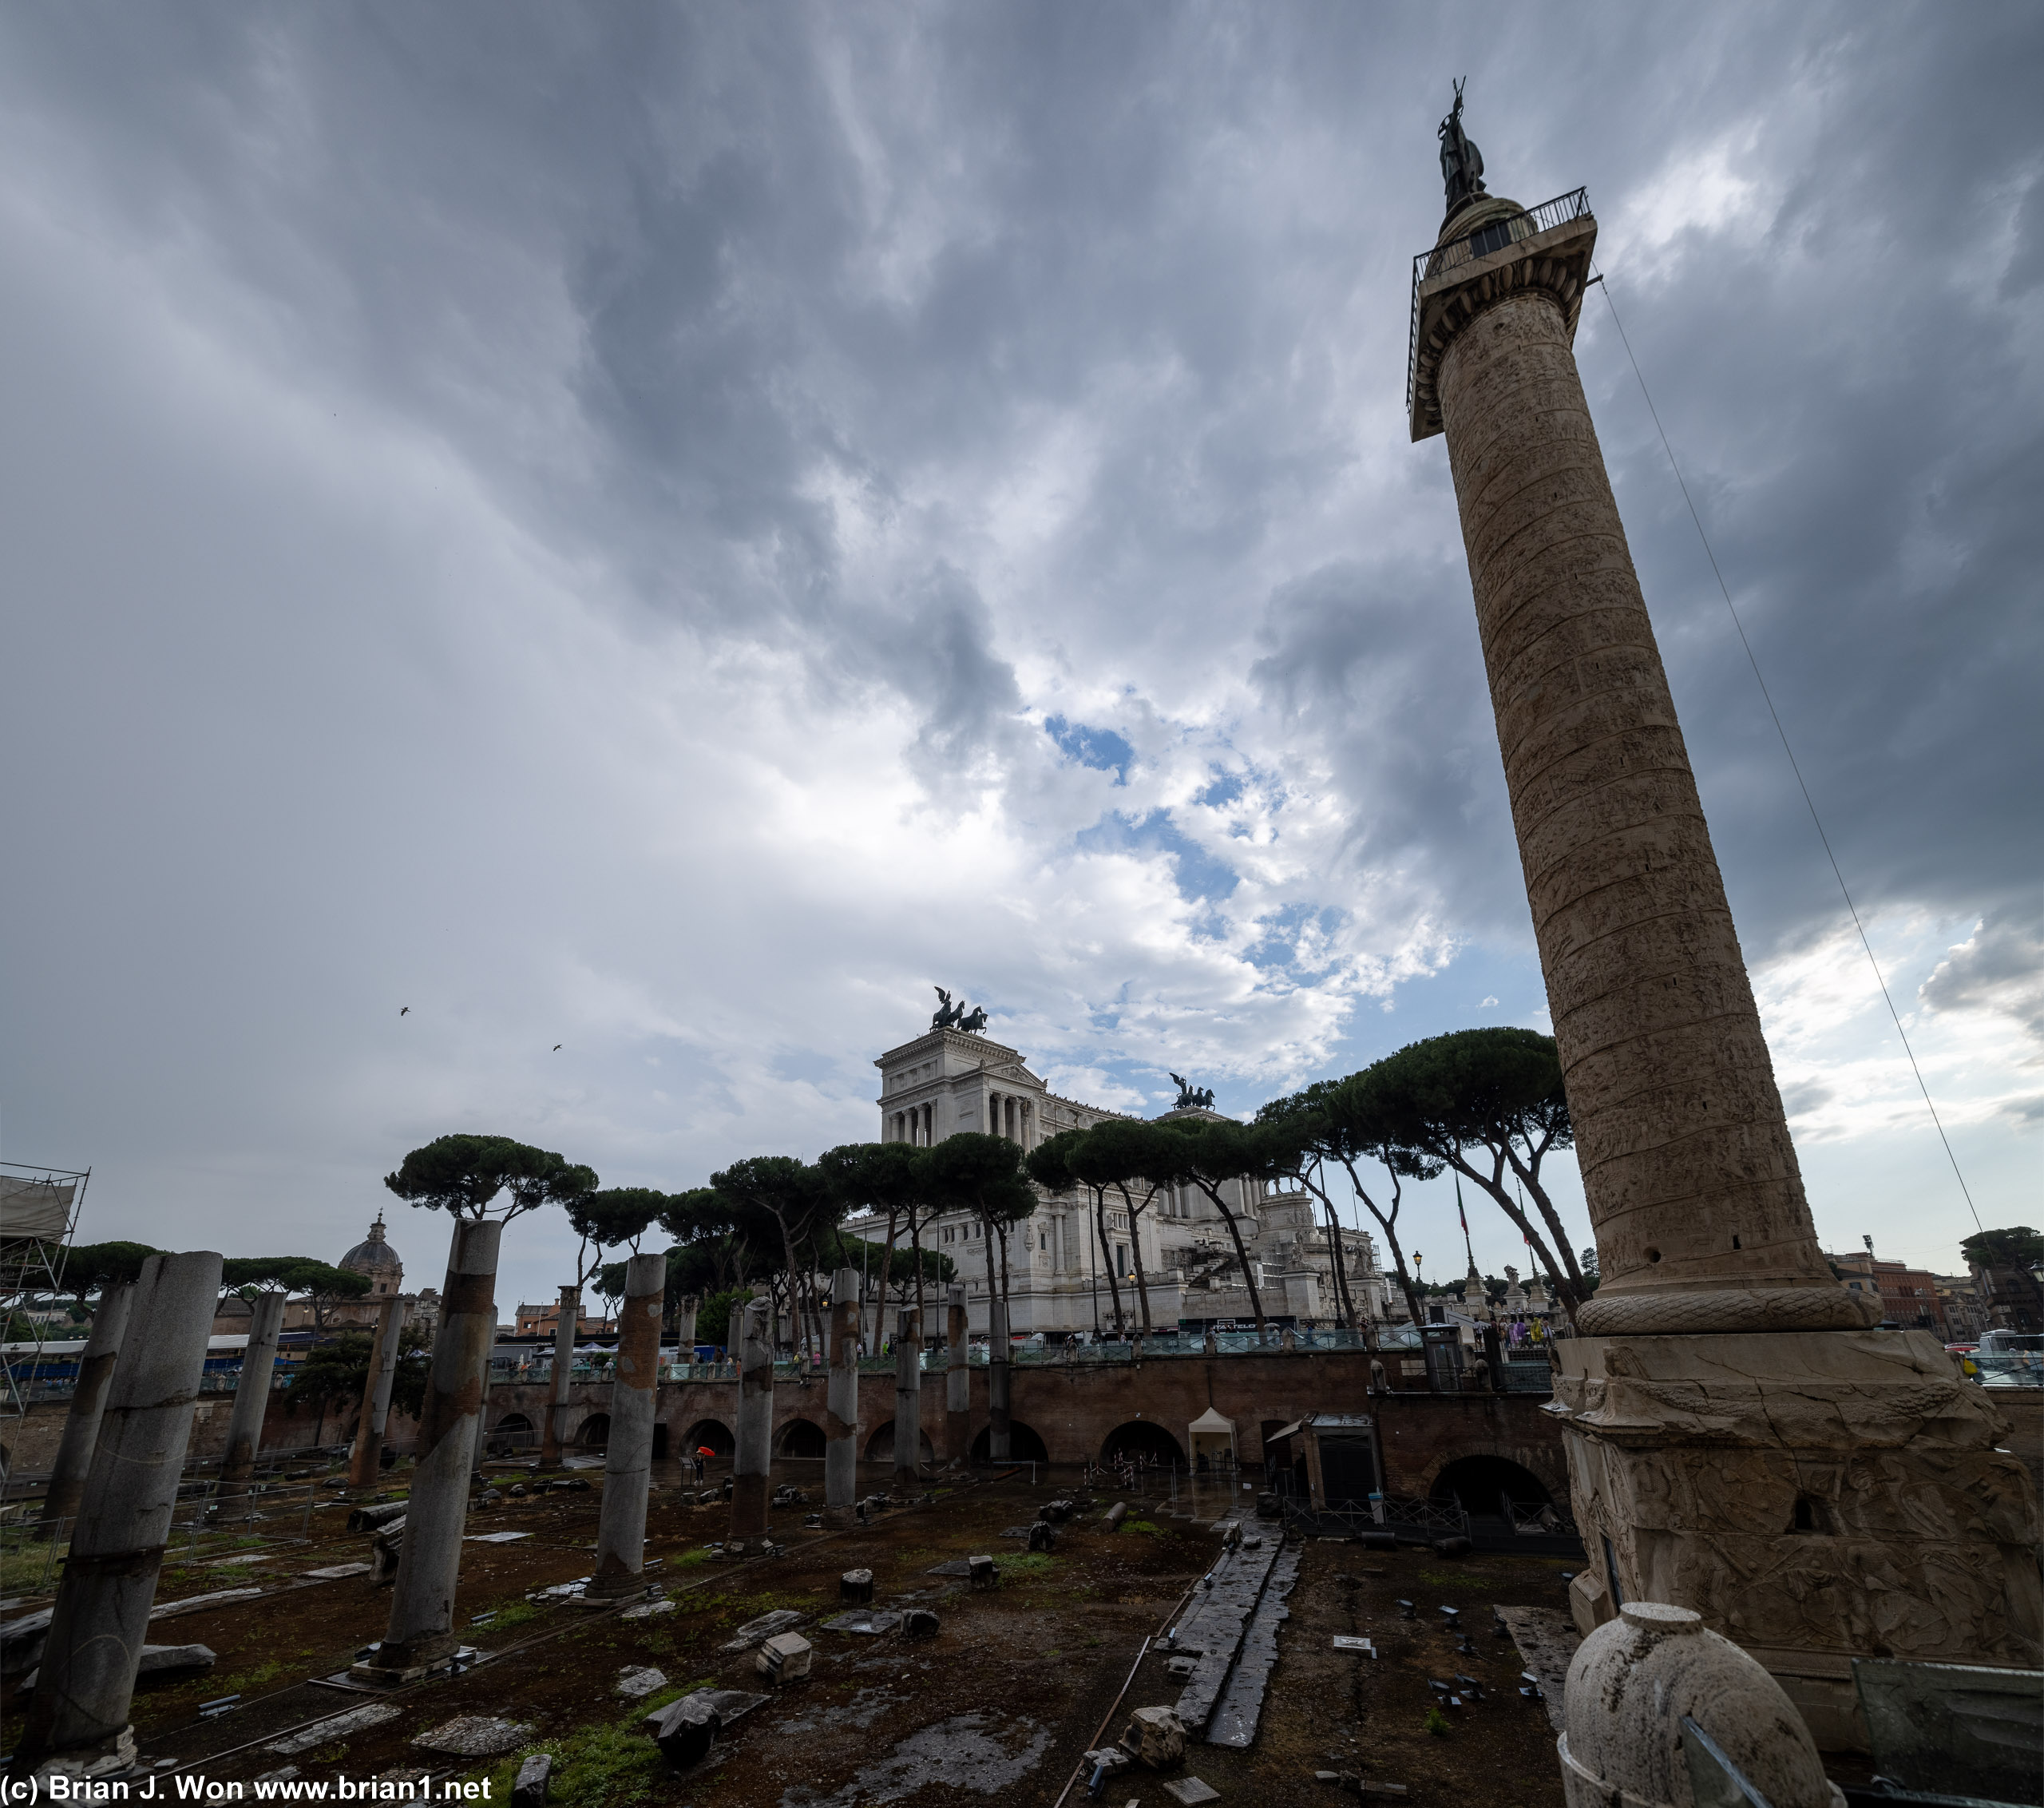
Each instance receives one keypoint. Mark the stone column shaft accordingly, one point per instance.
(367, 1462)
(685, 1308)
(74, 1454)
(841, 1418)
(957, 1378)
(752, 1461)
(908, 1393)
(628, 1461)
(1817, 1490)
(102, 1614)
(421, 1634)
(568, 1318)
(1691, 1180)
(997, 1378)
(252, 1395)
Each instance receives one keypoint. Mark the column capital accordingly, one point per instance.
(1498, 249)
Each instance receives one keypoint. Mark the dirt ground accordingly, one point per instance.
(999, 1705)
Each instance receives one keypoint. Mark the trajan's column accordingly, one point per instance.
(1740, 1439)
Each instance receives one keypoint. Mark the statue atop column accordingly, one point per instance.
(1461, 163)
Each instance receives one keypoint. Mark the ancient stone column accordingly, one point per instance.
(840, 1420)
(565, 1326)
(628, 1460)
(421, 1637)
(752, 1461)
(1690, 1178)
(75, 1453)
(908, 1395)
(367, 1463)
(997, 1374)
(252, 1395)
(1739, 1442)
(957, 1378)
(685, 1310)
(102, 1614)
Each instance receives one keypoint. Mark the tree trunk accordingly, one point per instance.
(1107, 1253)
(1135, 1253)
(1385, 1223)
(1529, 1175)
(1344, 1295)
(916, 1254)
(886, 1279)
(1568, 1291)
(1242, 1255)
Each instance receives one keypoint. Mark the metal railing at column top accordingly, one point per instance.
(1493, 234)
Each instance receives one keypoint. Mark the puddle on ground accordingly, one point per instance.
(862, 1710)
(969, 1751)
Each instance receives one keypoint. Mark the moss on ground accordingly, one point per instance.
(606, 1765)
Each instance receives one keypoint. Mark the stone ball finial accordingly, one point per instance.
(1630, 1685)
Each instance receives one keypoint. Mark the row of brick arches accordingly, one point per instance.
(803, 1440)
(1478, 1484)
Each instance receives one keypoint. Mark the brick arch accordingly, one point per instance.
(1142, 1437)
(800, 1439)
(714, 1433)
(1538, 1464)
(1025, 1444)
(879, 1447)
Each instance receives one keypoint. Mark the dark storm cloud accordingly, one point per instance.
(2001, 970)
(886, 383)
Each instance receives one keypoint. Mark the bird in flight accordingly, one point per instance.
(406, 1011)
(557, 1047)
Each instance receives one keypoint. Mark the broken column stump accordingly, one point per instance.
(685, 1730)
(784, 1658)
(980, 1573)
(534, 1776)
(856, 1586)
(1156, 1736)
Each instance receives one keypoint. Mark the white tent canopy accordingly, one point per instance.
(40, 1209)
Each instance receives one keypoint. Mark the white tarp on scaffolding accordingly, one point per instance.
(40, 1209)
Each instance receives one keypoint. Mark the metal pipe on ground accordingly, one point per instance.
(568, 1316)
(957, 1379)
(628, 1460)
(367, 1462)
(908, 1394)
(102, 1614)
(96, 1366)
(841, 1421)
(421, 1637)
(752, 1461)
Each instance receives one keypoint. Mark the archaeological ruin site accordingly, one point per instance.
(1033, 1453)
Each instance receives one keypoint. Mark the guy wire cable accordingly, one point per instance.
(1767, 697)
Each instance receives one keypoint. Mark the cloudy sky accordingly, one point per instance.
(670, 530)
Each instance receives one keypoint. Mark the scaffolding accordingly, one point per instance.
(39, 1210)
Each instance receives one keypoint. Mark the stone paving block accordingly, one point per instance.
(758, 1631)
(475, 1735)
(864, 1621)
(334, 1726)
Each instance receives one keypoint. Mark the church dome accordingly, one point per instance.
(374, 1256)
